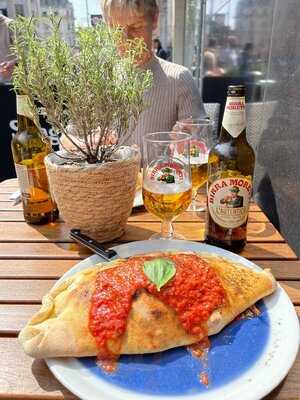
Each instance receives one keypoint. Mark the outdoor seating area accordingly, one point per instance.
(149, 200)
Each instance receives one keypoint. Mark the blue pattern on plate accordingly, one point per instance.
(176, 372)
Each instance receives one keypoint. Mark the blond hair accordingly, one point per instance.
(147, 8)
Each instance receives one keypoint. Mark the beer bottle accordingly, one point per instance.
(230, 177)
(29, 149)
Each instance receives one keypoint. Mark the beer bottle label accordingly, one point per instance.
(228, 201)
(24, 107)
(198, 152)
(166, 172)
(34, 188)
(234, 119)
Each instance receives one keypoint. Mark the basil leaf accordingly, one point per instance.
(159, 271)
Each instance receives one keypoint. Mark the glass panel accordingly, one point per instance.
(257, 42)
(278, 142)
(192, 35)
(236, 45)
(164, 28)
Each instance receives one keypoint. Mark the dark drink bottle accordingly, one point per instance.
(29, 149)
(230, 177)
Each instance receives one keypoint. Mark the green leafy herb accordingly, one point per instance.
(88, 93)
(159, 271)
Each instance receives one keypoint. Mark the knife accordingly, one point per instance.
(92, 244)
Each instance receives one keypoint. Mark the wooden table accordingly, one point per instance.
(32, 258)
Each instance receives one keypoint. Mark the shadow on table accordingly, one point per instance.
(138, 232)
(58, 232)
(47, 381)
(268, 251)
(53, 232)
(276, 392)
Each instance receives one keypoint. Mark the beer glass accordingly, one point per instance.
(167, 186)
(201, 142)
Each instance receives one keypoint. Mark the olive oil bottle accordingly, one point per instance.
(29, 149)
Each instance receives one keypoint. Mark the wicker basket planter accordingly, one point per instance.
(95, 198)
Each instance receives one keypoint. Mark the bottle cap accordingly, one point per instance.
(236, 90)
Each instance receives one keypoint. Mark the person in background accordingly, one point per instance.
(246, 59)
(216, 71)
(158, 49)
(210, 57)
(7, 60)
(173, 95)
(229, 55)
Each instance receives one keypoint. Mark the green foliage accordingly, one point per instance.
(92, 88)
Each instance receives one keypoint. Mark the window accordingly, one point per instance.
(20, 10)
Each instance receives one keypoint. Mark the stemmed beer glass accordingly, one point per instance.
(202, 140)
(167, 185)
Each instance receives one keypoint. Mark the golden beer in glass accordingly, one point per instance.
(167, 185)
(201, 141)
(199, 175)
(167, 205)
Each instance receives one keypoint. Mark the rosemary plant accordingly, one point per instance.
(92, 88)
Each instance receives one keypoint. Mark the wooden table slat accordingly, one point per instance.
(24, 291)
(8, 183)
(13, 317)
(5, 196)
(51, 251)
(34, 269)
(143, 216)
(187, 216)
(24, 378)
(8, 205)
(59, 232)
(257, 232)
(71, 251)
(282, 270)
(51, 269)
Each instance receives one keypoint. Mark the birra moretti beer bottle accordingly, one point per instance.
(230, 177)
(29, 149)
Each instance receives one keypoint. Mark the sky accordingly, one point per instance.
(94, 8)
(80, 10)
(223, 6)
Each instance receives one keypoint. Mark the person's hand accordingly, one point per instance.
(183, 126)
(6, 69)
(179, 127)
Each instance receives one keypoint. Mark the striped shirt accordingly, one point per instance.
(172, 97)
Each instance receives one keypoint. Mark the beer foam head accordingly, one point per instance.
(201, 159)
(166, 188)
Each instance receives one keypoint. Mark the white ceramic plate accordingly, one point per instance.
(247, 359)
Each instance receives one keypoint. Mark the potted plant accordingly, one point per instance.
(92, 96)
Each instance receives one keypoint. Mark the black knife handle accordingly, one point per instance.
(92, 244)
